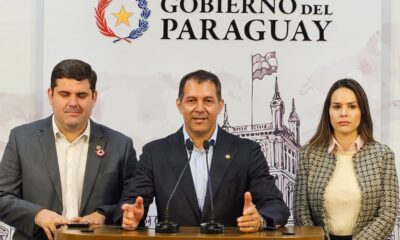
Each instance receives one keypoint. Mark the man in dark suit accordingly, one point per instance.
(239, 172)
(65, 168)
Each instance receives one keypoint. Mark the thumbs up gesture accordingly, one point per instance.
(132, 214)
(250, 221)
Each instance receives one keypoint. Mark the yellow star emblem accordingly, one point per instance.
(122, 16)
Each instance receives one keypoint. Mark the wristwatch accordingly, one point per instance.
(263, 224)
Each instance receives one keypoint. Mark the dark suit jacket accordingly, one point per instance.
(30, 179)
(246, 170)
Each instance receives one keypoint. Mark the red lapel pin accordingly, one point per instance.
(100, 152)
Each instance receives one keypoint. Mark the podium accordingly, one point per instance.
(193, 233)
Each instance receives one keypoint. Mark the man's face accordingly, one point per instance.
(72, 102)
(200, 108)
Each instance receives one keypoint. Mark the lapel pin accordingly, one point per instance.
(100, 152)
(227, 157)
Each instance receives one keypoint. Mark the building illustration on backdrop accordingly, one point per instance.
(279, 143)
(5, 232)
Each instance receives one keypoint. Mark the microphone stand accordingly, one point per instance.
(167, 226)
(210, 227)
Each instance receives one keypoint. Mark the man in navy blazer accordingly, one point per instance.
(244, 193)
(65, 168)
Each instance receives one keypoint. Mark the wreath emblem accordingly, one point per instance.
(104, 29)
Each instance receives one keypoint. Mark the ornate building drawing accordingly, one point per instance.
(279, 142)
(6, 232)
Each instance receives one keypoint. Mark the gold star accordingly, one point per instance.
(122, 16)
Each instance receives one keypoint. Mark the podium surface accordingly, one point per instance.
(114, 232)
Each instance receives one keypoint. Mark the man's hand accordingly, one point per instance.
(48, 221)
(133, 213)
(250, 221)
(93, 218)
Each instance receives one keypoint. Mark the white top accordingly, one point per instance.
(198, 168)
(72, 164)
(342, 196)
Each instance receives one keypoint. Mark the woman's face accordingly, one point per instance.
(344, 112)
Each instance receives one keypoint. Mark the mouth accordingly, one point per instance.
(344, 123)
(73, 113)
(200, 119)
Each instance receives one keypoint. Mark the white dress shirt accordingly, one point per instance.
(72, 158)
(198, 167)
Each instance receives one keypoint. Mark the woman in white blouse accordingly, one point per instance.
(346, 181)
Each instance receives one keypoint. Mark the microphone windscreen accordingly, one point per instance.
(189, 145)
(212, 143)
(206, 145)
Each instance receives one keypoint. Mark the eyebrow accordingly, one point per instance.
(354, 102)
(76, 93)
(205, 97)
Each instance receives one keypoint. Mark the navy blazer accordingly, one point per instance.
(30, 178)
(244, 170)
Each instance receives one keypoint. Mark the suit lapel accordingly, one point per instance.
(177, 160)
(93, 163)
(219, 167)
(48, 147)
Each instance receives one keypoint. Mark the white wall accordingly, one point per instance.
(21, 88)
(20, 64)
(391, 76)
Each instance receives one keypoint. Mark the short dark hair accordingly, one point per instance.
(200, 76)
(324, 132)
(74, 69)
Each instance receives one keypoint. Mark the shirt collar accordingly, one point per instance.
(213, 136)
(57, 133)
(355, 146)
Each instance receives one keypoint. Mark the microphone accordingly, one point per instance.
(210, 227)
(166, 226)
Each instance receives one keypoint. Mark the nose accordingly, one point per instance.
(344, 112)
(73, 101)
(199, 107)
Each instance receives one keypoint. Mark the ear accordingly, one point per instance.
(179, 105)
(94, 97)
(50, 95)
(221, 105)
